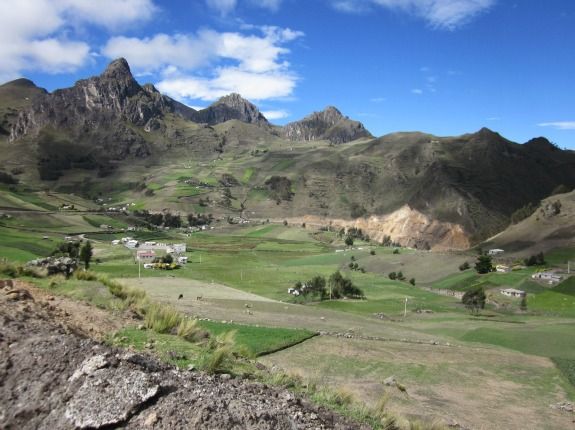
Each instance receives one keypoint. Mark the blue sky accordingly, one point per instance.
(445, 67)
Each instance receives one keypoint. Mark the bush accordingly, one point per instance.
(86, 275)
(412, 281)
(474, 299)
(161, 318)
(464, 266)
(392, 276)
(396, 251)
(372, 252)
(188, 330)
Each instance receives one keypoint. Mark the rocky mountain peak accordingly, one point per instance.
(232, 106)
(118, 69)
(21, 82)
(328, 124)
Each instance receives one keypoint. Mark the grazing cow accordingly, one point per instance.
(181, 296)
(199, 297)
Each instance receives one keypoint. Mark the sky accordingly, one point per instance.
(445, 67)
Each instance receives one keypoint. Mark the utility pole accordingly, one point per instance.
(405, 309)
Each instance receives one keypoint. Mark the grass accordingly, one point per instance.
(567, 368)
(259, 340)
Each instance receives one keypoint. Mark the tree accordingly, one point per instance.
(523, 304)
(86, 254)
(412, 281)
(483, 264)
(349, 241)
(400, 276)
(392, 276)
(396, 251)
(372, 252)
(474, 299)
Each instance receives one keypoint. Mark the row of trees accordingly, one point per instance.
(335, 287)
(167, 219)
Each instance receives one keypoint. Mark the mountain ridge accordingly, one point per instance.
(111, 124)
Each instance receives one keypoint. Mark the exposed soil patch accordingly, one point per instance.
(52, 376)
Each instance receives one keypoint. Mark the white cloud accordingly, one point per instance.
(42, 34)
(275, 114)
(208, 64)
(444, 14)
(417, 91)
(253, 86)
(559, 125)
(272, 5)
(224, 7)
(377, 99)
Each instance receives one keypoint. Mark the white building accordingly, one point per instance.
(551, 277)
(512, 292)
(182, 260)
(502, 268)
(131, 244)
(115, 242)
(177, 248)
(495, 251)
(146, 256)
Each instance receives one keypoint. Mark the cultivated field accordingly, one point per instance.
(501, 369)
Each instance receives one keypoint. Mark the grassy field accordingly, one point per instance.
(452, 364)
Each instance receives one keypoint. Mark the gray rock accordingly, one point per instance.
(109, 397)
(390, 381)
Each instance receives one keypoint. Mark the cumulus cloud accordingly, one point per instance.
(417, 91)
(444, 14)
(210, 64)
(275, 114)
(559, 125)
(224, 7)
(40, 34)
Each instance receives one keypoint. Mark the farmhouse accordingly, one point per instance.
(176, 248)
(495, 251)
(182, 260)
(145, 256)
(115, 242)
(502, 268)
(131, 244)
(512, 292)
(550, 277)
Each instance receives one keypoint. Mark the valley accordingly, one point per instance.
(347, 268)
(447, 361)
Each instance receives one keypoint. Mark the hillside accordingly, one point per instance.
(108, 136)
(552, 225)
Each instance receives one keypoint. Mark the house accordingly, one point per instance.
(115, 242)
(293, 291)
(502, 268)
(182, 260)
(131, 244)
(131, 228)
(148, 266)
(512, 292)
(495, 251)
(178, 248)
(145, 256)
(550, 277)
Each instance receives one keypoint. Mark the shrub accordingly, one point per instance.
(86, 275)
(188, 330)
(372, 252)
(464, 266)
(396, 251)
(161, 318)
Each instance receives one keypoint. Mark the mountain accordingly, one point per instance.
(230, 107)
(108, 135)
(15, 96)
(328, 124)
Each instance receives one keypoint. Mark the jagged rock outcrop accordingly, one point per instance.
(112, 101)
(229, 107)
(328, 124)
